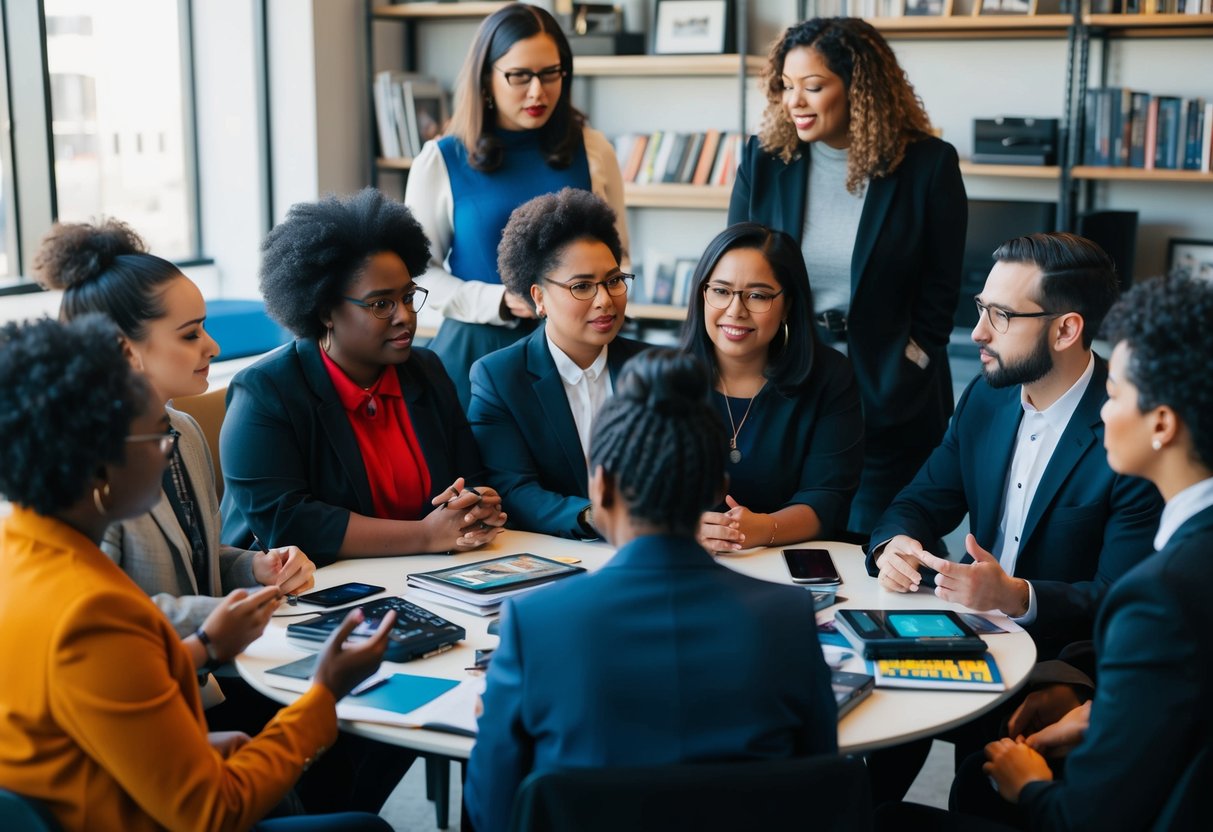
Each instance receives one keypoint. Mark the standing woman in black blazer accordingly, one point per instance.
(846, 163)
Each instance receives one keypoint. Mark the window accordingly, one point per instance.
(119, 127)
(8, 234)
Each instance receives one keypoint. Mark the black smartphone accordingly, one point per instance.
(811, 566)
(335, 596)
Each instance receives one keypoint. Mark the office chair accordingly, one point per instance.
(823, 792)
(208, 409)
(24, 814)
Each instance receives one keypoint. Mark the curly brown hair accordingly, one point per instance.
(885, 112)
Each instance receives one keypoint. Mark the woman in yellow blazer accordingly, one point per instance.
(100, 713)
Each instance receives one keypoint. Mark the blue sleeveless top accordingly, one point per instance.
(483, 201)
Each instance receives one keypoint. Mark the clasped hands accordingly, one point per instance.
(467, 518)
(728, 531)
(1057, 722)
(980, 585)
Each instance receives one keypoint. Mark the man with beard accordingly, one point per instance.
(1051, 526)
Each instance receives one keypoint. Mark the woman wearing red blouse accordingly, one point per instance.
(349, 437)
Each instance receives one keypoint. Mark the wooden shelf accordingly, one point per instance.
(401, 163)
(970, 27)
(1153, 25)
(1011, 171)
(648, 65)
(1140, 175)
(708, 197)
(435, 11)
(656, 312)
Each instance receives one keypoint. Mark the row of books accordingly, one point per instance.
(708, 158)
(856, 8)
(410, 110)
(1151, 6)
(1125, 128)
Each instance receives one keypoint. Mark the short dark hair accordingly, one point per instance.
(473, 118)
(790, 361)
(309, 258)
(1167, 324)
(1076, 275)
(661, 441)
(68, 396)
(539, 229)
(104, 268)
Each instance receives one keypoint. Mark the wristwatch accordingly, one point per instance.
(212, 661)
(586, 520)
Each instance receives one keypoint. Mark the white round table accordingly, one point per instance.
(886, 717)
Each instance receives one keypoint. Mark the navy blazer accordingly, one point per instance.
(1086, 527)
(1151, 733)
(905, 271)
(292, 469)
(521, 417)
(662, 656)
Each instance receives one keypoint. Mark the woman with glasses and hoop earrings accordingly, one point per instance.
(514, 135)
(791, 406)
(349, 437)
(535, 402)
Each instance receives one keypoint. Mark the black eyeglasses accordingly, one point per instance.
(1000, 319)
(721, 297)
(616, 286)
(167, 441)
(523, 77)
(385, 307)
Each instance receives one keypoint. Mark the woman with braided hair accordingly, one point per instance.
(847, 164)
(624, 666)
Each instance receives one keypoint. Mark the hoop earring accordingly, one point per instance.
(328, 340)
(99, 496)
(786, 335)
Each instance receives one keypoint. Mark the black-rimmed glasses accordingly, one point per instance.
(1000, 319)
(384, 308)
(167, 441)
(524, 77)
(721, 297)
(616, 286)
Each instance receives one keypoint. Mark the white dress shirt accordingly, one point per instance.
(1039, 433)
(585, 389)
(1181, 508)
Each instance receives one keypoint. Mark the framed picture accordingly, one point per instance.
(684, 269)
(927, 8)
(1193, 258)
(425, 109)
(1005, 8)
(693, 27)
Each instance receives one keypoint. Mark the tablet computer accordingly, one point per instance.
(885, 634)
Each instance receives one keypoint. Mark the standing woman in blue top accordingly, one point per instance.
(846, 163)
(514, 135)
(792, 406)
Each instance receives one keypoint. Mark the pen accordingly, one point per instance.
(291, 599)
(479, 496)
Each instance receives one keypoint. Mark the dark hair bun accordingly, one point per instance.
(667, 381)
(72, 254)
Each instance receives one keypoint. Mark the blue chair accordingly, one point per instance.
(24, 814)
(823, 792)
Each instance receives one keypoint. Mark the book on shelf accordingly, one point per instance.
(707, 156)
(645, 175)
(677, 156)
(690, 161)
(1127, 128)
(410, 109)
(973, 674)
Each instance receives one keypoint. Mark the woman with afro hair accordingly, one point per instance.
(846, 163)
(349, 438)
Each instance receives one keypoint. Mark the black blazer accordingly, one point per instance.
(291, 465)
(1151, 734)
(1087, 525)
(905, 271)
(520, 415)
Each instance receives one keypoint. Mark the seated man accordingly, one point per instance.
(1051, 525)
(664, 655)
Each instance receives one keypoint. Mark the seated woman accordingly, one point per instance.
(598, 670)
(534, 402)
(1149, 736)
(102, 716)
(792, 406)
(173, 551)
(349, 438)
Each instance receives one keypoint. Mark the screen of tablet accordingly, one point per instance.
(923, 625)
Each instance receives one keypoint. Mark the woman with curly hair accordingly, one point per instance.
(846, 164)
(103, 721)
(349, 438)
(514, 135)
(534, 403)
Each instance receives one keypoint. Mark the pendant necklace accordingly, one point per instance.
(734, 451)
